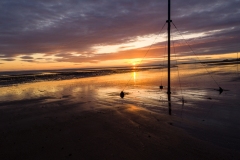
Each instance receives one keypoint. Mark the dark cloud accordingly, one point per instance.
(59, 27)
(26, 57)
(8, 59)
(28, 60)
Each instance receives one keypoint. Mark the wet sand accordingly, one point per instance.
(59, 130)
(86, 119)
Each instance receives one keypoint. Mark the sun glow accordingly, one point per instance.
(134, 62)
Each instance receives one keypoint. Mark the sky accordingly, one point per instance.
(58, 34)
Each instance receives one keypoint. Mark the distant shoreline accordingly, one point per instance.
(29, 72)
(31, 76)
(19, 77)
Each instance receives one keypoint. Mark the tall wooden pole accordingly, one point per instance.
(169, 50)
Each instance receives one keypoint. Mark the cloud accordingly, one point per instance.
(61, 28)
(29, 60)
(7, 59)
(26, 57)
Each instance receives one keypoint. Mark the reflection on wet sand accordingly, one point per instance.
(139, 87)
(82, 115)
(134, 77)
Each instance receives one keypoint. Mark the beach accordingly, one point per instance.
(85, 118)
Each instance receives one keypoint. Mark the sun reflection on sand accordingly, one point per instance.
(133, 108)
(92, 87)
(134, 76)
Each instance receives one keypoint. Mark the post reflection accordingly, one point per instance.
(169, 104)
